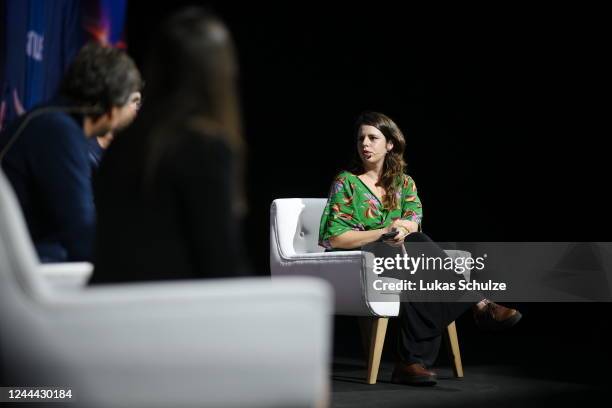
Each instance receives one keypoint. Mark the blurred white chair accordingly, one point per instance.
(206, 343)
(294, 250)
(66, 276)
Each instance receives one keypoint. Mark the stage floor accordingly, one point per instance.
(491, 386)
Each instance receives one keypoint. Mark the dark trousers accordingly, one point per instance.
(421, 323)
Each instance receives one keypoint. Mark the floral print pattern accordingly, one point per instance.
(351, 206)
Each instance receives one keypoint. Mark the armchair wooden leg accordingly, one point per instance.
(377, 340)
(453, 350)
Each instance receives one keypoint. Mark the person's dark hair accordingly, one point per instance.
(101, 77)
(394, 164)
(191, 74)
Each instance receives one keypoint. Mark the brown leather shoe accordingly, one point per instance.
(494, 317)
(412, 374)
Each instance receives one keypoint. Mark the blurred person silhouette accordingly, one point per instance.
(45, 152)
(169, 193)
(377, 198)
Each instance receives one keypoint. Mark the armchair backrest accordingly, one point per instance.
(18, 259)
(22, 292)
(294, 225)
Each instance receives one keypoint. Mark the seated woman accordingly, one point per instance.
(168, 193)
(377, 198)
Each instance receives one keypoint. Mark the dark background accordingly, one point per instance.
(503, 112)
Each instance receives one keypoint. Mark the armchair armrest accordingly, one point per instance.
(68, 275)
(456, 253)
(225, 342)
(349, 273)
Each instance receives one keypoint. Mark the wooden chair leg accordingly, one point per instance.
(377, 340)
(453, 350)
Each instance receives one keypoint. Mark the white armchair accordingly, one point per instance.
(219, 343)
(294, 251)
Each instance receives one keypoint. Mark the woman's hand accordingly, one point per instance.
(411, 226)
(398, 240)
(356, 239)
(405, 228)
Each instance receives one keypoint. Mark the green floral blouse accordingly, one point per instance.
(353, 206)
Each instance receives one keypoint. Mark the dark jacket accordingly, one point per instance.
(49, 169)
